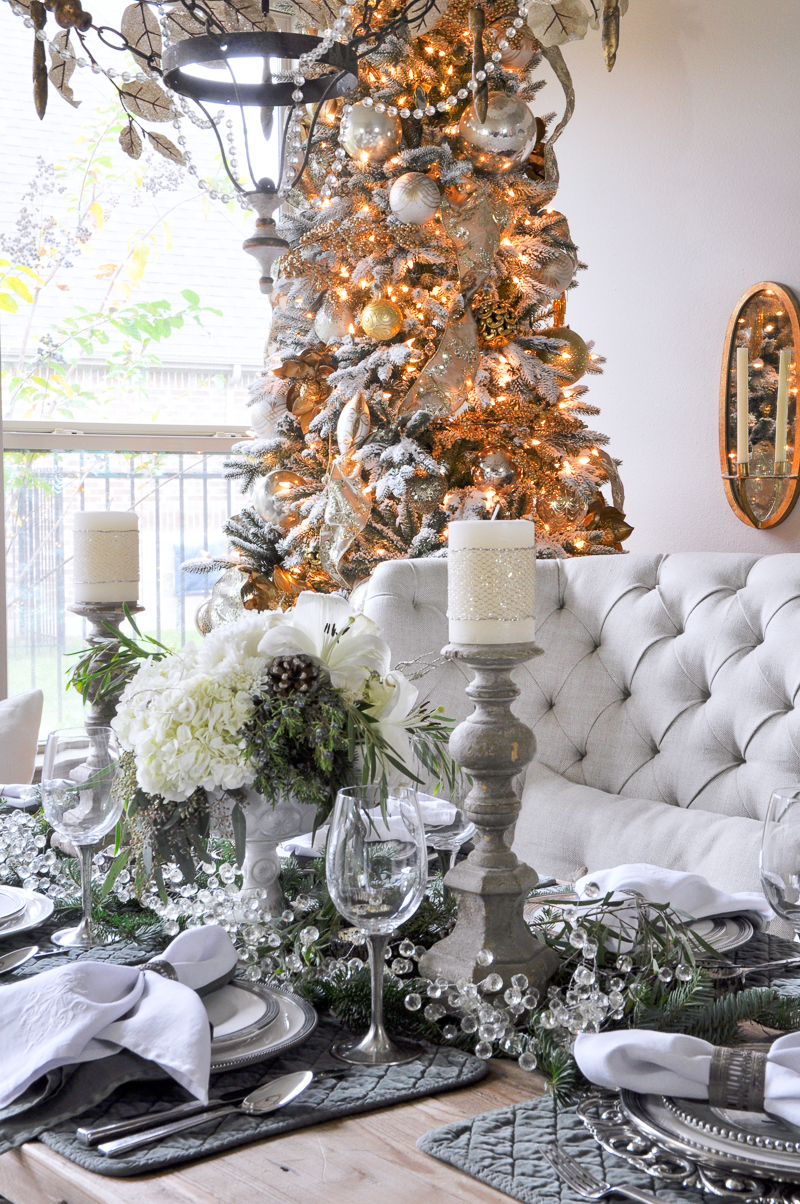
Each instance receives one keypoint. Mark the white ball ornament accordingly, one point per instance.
(369, 136)
(505, 138)
(334, 319)
(414, 198)
(557, 273)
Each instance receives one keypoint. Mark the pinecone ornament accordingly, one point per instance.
(288, 675)
(497, 323)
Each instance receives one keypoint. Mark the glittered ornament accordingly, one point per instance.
(571, 360)
(562, 509)
(521, 50)
(268, 494)
(496, 468)
(414, 198)
(353, 425)
(425, 492)
(496, 322)
(334, 319)
(226, 603)
(381, 320)
(369, 136)
(505, 138)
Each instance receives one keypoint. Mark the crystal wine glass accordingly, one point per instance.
(376, 863)
(77, 775)
(780, 855)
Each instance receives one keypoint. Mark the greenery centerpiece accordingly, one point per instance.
(293, 704)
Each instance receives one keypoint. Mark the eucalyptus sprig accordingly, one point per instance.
(103, 670)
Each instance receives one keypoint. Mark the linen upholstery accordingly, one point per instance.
(19, 733)
(663, 706)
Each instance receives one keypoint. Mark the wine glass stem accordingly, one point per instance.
(86, 851)
(377, 949)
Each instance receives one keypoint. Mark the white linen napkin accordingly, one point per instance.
(435, 813)
(89, 1010)
(21, 795)
(690, 894)
(674, 1064)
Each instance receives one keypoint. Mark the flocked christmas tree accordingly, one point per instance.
(419, 369)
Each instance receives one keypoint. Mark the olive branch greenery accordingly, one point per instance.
(104, 670)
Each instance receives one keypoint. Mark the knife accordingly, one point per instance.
(260, 1102)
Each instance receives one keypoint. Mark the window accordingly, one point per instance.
(131, 327)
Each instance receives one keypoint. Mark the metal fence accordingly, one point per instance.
(182, 501)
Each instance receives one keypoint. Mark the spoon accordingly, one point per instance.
(265, 1099)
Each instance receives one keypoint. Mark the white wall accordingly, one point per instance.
(681, 182)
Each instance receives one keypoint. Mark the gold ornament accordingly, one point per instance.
(369, 136)
(609, 520)
(259, 593)
(425, 493)
(521, 50)
(562, 509)
(309, 391)
(497, 322)
(505, 138)
(571, 361)
(381, 320)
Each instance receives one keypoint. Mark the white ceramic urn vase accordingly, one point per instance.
(267, 826)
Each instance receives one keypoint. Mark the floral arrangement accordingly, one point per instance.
(295, 703)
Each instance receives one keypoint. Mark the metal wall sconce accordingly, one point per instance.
(758, 448)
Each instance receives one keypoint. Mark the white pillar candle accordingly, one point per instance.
(106, 556)
(491, 580)
(742, 406)
(782, 407)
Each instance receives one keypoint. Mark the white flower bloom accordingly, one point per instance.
(324, 627)
(391, 701)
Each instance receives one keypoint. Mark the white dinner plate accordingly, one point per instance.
(256, 1041)
(37, 909)
(11, 905)
(234, 1008)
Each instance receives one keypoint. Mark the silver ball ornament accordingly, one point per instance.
(520, 52)
(369, 136)
(334, 319)
(557, 273)
(496, 468)
(414, 198)
(505, 138)
(267, 494)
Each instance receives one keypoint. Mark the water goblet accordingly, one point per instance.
(376, 863)
(77, 775)
(780, 855)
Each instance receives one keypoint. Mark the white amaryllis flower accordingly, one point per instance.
(324, 627)
(391, 701)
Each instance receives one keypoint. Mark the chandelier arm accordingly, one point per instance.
(213, 125)
(206, 19)
(244, 124)
(284, 139)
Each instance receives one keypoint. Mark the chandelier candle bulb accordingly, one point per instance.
(106, 557)
(742, 406)
(782, 409)
(491, 576)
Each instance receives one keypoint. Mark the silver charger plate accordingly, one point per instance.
(745, 1161)
(294, 1021)
(36, 909)
(724, 933)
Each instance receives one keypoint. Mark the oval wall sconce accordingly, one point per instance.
(758, 448)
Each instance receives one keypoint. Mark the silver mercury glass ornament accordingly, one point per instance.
(505, 138)
(369, 136)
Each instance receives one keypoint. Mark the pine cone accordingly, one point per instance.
(292, 675)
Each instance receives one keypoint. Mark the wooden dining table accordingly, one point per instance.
(367, 1159)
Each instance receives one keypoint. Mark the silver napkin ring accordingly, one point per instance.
(736, 1080)
(160, 965)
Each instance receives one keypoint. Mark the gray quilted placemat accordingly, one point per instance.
(499, 1148)
(362, 1089)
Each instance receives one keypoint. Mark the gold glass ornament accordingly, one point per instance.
(562, 509)
(571, 360)
(496, 468)
(381, 320)
(505, 138)
(497, 323)
(369, 136)
(414, 198)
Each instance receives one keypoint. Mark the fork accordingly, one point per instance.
(585, 1184)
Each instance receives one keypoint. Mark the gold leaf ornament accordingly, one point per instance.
(609, 31)
(141, 28)
(166, 148)
(147, 100)
(130, 141)
(39, 16)
(61, 68)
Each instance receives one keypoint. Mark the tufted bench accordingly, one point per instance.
(663, 707)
